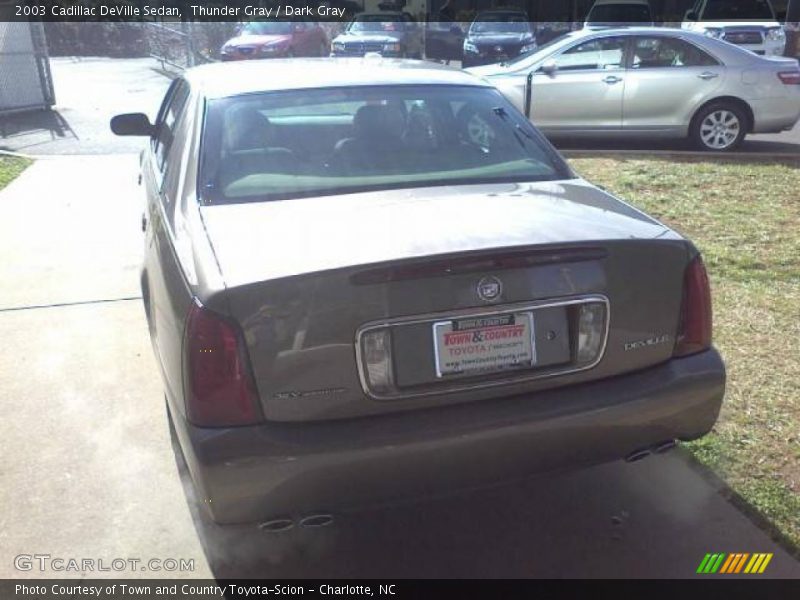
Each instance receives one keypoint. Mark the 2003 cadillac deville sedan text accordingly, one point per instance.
(371, 280)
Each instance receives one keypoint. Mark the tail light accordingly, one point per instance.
(694, 332)
(377, 356)
(789, 77)
(219, 385)
(591, 332)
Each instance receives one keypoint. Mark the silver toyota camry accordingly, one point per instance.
(356, 296)
(651, 82)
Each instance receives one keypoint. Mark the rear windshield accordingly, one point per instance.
(741, 10)
(302, 143)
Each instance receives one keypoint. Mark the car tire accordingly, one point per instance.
(719, 127)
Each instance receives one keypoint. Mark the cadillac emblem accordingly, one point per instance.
(489, 289)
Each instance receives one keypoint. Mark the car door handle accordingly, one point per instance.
(612, 79)
(708, 75)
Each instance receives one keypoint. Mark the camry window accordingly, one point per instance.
(660, 52)
(543, 50)
(604, 53)
(748, 10)
(320, 142)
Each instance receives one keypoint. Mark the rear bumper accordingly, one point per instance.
(255, 473)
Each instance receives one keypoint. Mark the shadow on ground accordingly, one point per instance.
(46, 125)
(654, 518)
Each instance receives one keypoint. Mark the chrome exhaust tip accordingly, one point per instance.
(637, 455)
(276, 525)
(664, 447)
(316, 521)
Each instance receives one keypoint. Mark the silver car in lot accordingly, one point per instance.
(651, 82)
(352, 299)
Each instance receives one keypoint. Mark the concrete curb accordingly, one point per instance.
(62, 156)
(17, 155)
(709, 156)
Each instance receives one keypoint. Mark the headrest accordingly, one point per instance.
(247, 129)
(379, 120)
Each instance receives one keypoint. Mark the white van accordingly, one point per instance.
(616, 13)
(750, 24)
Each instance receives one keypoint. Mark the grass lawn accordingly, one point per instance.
(745, 219)
(10, 167)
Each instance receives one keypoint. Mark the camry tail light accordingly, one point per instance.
(789, 77)
(694, 332)
(219, 385)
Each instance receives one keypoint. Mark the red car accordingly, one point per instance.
(274, 39)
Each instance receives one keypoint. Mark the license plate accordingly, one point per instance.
(484, 344)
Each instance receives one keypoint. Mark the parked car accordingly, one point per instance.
(391, 34)
(276, 39)
(371, 280)
(444, 40)
(750, 24)
(652, 82)
(497, 35)
(616, 13)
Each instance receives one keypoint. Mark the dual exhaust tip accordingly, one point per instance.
(314, 521)
(659, 448)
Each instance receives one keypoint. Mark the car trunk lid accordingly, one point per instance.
(305, 278)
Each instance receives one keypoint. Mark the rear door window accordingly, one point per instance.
(167, 122)
(664, 52)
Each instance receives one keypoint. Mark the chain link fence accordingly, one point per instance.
(184, 45)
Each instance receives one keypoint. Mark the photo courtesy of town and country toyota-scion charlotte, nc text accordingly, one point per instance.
(185, 10)
(197, 589)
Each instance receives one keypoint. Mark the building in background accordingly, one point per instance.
(25, 79)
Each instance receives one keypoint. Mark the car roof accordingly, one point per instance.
(635, 29)
(223, 79)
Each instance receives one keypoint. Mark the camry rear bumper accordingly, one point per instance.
(251, 474)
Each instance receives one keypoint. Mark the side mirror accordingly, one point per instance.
(690, 15)
(549, 68)
(132, 124)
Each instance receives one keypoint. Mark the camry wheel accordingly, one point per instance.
(719, 128)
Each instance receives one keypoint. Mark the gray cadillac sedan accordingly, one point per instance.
(356, 296)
